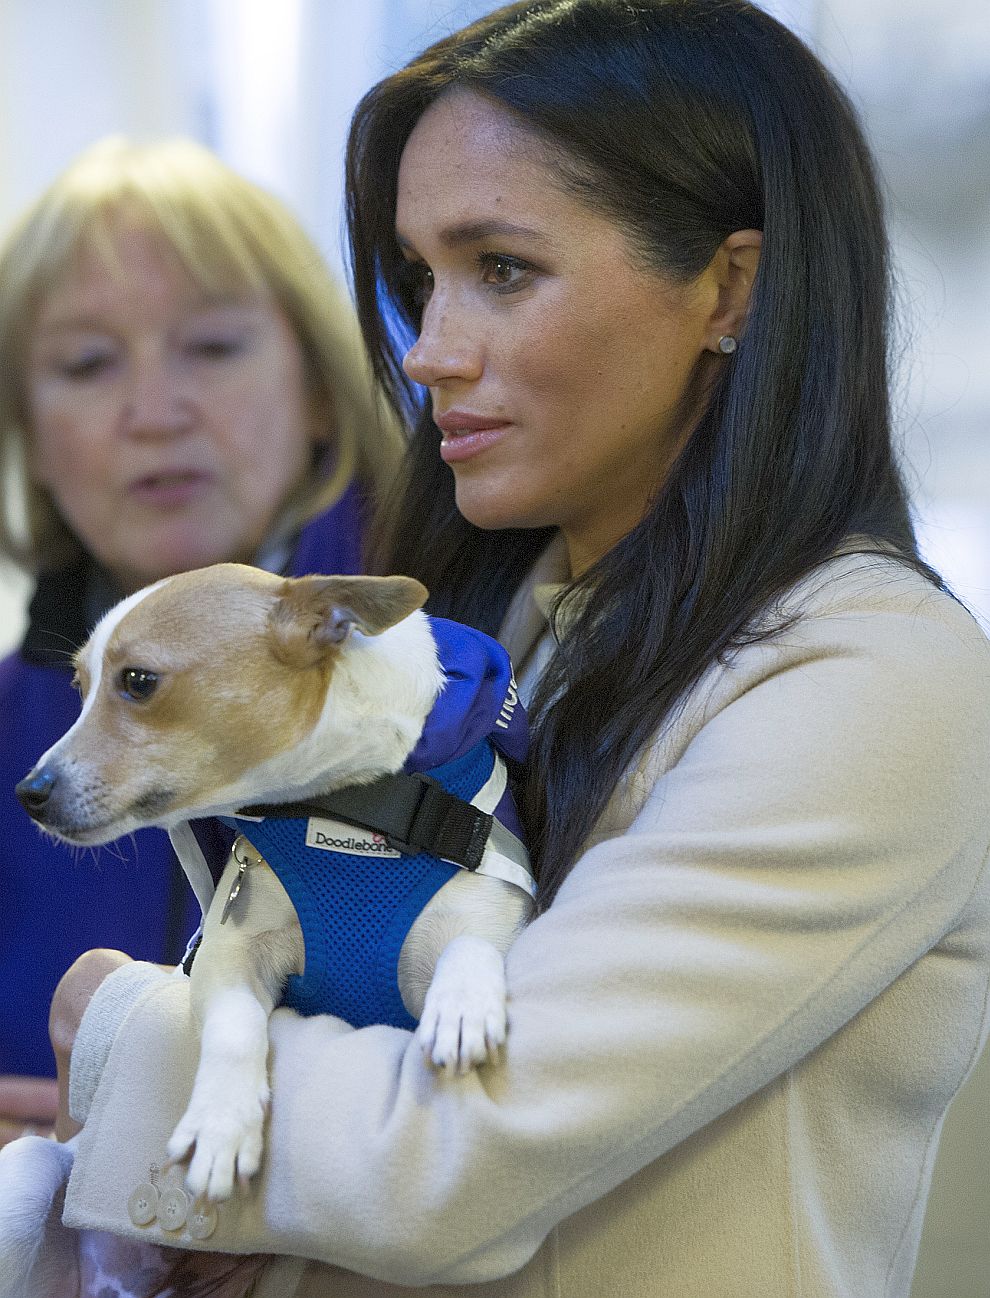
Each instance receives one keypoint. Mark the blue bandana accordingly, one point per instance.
(479, 700)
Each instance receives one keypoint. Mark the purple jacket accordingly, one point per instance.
(58, 901)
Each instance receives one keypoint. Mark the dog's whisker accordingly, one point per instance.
(114, 849)
(68, 653)
(79, 853)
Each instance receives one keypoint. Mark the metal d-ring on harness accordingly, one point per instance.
(245, 856)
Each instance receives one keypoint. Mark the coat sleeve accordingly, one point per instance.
(820, 829)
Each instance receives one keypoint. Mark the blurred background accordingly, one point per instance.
(270, 85)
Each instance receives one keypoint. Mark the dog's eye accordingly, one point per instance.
(136, 683)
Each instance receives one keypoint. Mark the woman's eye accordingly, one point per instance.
(86, 366)
(136, 683)
(416, 283)
(502, 271)
(216, 349)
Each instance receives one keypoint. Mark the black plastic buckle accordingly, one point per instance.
(411, 811)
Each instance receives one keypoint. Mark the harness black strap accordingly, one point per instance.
(413, 812)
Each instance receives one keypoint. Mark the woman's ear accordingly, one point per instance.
(735, 265)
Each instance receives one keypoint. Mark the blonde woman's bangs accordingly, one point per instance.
(235, 241)
(203, 237)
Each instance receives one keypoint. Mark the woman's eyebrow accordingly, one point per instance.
(72, 324)
(86, 321)
(454, 236)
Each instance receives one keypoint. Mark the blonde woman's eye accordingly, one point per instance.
(85, 366)
(216, 349)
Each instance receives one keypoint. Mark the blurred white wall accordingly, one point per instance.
(271, 87)
(920, 77)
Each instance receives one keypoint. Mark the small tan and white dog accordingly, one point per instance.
(225, 687)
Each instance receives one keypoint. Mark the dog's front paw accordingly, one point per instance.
(223, 1131)
(464, 1022)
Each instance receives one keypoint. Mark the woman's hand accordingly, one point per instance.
(27, 1104)
(72, 995)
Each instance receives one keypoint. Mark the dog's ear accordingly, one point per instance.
(315, 614)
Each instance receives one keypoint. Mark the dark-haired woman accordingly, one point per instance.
(639, 251)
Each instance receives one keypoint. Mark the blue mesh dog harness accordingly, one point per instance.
(355, 893)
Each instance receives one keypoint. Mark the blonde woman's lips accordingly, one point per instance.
(170, 488)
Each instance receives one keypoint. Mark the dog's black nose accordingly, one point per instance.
(35, 790)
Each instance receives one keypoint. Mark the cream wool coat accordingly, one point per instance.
(733, 1037)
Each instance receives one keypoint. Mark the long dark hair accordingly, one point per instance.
(684, 120)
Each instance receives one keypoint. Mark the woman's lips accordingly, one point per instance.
(170, 489)
(462, 446)
(465, 436)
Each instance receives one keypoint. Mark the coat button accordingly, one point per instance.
(202, 1220)
(173, 1209)
(143, 1204)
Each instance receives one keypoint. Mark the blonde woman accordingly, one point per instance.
(182, 384)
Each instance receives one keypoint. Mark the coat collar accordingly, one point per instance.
(525, 623)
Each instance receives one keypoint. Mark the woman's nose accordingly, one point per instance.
(156, 403)
(445, 350)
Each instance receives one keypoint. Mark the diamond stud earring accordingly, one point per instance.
(727, 344)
